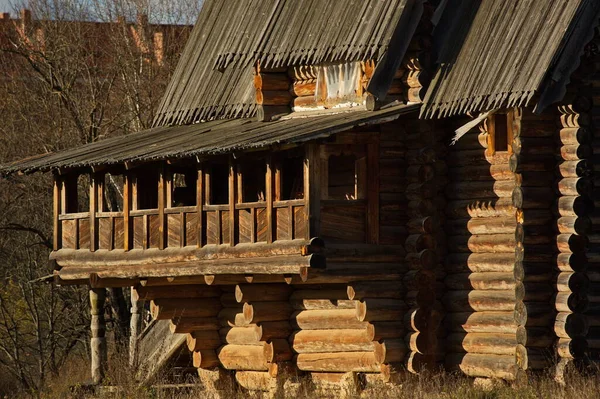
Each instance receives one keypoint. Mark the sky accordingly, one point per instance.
(5, 6)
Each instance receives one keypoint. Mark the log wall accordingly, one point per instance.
(485, 316)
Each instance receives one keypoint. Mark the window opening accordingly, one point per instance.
(292, 178)
(346, 175)
(253, 181)
(77, 195)
(184, 188)
(218, 185)
(113, 193)
(338, 81)
(147, 190)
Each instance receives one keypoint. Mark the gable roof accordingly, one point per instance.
(213, 79)
(494, 54)
(203, 139)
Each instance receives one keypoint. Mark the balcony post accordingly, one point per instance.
(98, 329)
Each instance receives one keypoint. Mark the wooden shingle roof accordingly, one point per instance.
(213, 79)
(494, 54)
(203, 139)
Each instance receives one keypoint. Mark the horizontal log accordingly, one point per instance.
(384, 309)
(576, 152)
(327, 319)
(262, 292)
(182, 291)
(277, 350)
(342, 340)
(496, 225)
(469, 190)
(337, 382)
(572, 282)
(416, 243)
(576, 186)
(390, 351)
(259, 312)
(273, 329)
(273, 97)
(271, 81)
(567, 262)
(496, 322)
(574, 225)
(532, 197)
(476, 208)
(199, 340)
(380, 330)
(571, 348)
(243, 357)
(426, 259)
(540, 337)
(489, 173)
(240, 335)
(571, 243)
(294, 265)
(374, 289)
(484, 365)
(304, 88)
(533, 147)
(570, 302)
(482, 301)
(184, 325)
(575, 206)
(568, 325)
(308, 101)
(167, 308)
(320, 299)
(425, 225)
(481, 281)
(494, 344)
(579, 168)
(482, 243)
(480, 263)
(206, 359)
(338, 362)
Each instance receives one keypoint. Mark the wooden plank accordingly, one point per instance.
(127, 241)
(154, 231)
(174, 230)
(82, 232)
(373, 192)
(191, 228)
(269, 196)
(56, 207)
(312, 189)
(104, 233)
(118, 233)
(262, 221)
(68, 234)
(245, 220)
(161, 208)
(213, 230)
(300, 230)
(284, 220)
(93, 208)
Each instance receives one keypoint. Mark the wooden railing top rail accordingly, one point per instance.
(286, 203)
(109, 214)
(73, 216)
(179, 209)
(142, 212)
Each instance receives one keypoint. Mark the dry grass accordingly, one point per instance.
(72, 384)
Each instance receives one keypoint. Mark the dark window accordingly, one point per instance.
(292, 178)
(147, 189)
(345, 177)
(501, 132)
(253, 181)
(184, 188)
(77, 194)
(218, 187)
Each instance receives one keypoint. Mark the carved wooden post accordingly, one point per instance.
(135, 325)
(98, 328)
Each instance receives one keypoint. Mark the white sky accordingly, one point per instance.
(5, 6)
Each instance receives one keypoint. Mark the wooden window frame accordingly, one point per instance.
(492, 136)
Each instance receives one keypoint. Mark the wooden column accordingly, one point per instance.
(93, 209)
(232, 201)
(98, 329)
(127, 240)
(269, 199)
(135, 326)
(200, 205)
(56, 211)
(312, 189)
(162, 197)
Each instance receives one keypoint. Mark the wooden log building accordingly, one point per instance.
(354, 188)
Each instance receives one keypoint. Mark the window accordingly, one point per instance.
(184, 187)
(146, 192)
(77, 193)
(112, 192)
(346, 175)
(291, 179)
(253, 183)
(217, 184)
(338, 82)
(500, 130)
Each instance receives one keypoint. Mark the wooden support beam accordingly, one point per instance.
(135, 327)
(127, 240)
(373, 191)
(232, 202)
(199, 206)
(98, 329)
(57, 237)
(161, 207)
(93, 210)
(269, 198)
